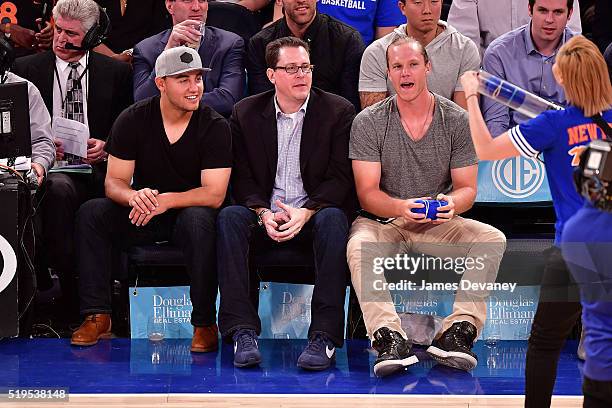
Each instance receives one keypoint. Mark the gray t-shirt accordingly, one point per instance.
(451, 54)
(412, 169)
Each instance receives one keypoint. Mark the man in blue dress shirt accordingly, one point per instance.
(525, 57)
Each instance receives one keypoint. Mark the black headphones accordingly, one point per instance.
(97, 33)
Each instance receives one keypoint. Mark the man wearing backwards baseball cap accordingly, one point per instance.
(178, 153)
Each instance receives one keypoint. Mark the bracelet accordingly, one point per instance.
(259, 219)
(469, 96)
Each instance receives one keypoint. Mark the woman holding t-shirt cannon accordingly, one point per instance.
(560, 135)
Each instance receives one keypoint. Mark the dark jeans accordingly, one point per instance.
(61, 196)
(239, 234)
(557, 313)
(597, 394)
(102, 226)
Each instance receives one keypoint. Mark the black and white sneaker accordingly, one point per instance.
(319, 354)
(454, 347)
(394, 352)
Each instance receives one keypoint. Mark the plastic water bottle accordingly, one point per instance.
(512, 96)
(492, 333)
(156, 328)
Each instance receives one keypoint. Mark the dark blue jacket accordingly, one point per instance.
(221, 51)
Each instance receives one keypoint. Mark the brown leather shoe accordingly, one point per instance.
(205, 339)
(95, 327)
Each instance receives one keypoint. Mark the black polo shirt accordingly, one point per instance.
(335, 51)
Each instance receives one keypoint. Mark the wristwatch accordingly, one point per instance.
(259, 218)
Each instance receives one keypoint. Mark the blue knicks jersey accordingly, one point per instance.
(560, 136)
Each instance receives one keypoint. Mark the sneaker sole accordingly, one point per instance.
(385, 368)
(103, 336)
(317, 368)
(250, 363)
(461, 361)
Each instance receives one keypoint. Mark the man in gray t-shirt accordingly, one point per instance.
(416, 145)
(451, 54)
(411, 168)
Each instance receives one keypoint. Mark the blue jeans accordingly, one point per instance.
(238, 234)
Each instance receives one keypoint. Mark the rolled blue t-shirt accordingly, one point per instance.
(364, 15)
(587, 245)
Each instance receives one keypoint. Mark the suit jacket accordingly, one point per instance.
(109, 92)
(221, 51)
(324, 163)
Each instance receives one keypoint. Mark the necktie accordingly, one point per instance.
(73, 108)
(74, 95)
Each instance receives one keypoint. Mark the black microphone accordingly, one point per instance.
(71, 46)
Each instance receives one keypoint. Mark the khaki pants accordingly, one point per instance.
(460, 237)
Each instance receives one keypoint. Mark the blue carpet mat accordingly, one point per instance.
(141, 366)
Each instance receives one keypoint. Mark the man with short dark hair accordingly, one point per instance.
(292, 182)
(484, 21)
(335, 49)
(524, 57)
(168, 170)
(412, 146)
(220, 50)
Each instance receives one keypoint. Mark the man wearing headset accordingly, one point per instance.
(87, 87)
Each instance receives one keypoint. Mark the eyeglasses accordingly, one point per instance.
(293, 69)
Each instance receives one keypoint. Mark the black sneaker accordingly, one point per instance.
(246, 352)
(393, 352)
(454, 347)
